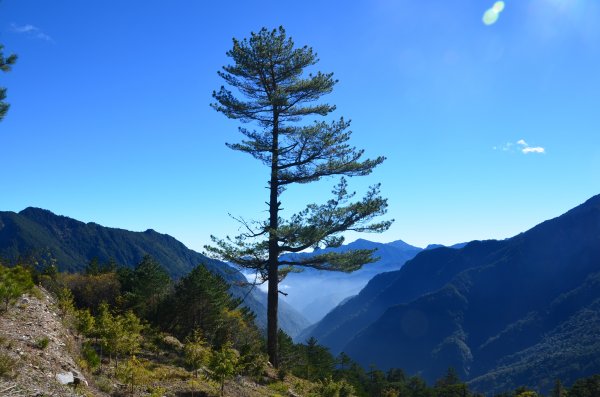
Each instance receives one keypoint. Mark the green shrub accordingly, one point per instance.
(7, 364)
(104, 384)
(42, 343)
(14, 282)
(90, 356)
(279, 387)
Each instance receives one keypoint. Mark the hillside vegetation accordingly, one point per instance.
(71, 342)
(36, 235)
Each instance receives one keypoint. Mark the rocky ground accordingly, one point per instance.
(39, 357)
(39, 351)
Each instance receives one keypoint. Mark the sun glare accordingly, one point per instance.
(491, 15)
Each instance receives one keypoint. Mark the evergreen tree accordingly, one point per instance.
(585, 387)
(223, 365)
(196, 352)
(198, 302)
(450, 385)
(318, 361)
(269, 73)
(85, 322)
(5, 66)
(149, 286)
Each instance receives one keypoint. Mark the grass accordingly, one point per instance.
(7, 365)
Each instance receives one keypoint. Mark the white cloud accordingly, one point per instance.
(520, 146)
(31, 30)
(537, 149)
(522, 142)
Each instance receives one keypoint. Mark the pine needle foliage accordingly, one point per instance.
(269, 88)
(5, 66)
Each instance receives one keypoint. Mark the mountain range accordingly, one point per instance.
(315, 292)
(34, 232)
(522, 311)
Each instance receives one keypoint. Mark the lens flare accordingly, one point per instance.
(498, 6)
(491, 15)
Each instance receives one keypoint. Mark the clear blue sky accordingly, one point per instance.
(110, 119)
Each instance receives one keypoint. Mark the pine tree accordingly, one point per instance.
(223, 365)
(268, 72)
(196, 352)
(150, 285)
(198, 303)
(5, 66)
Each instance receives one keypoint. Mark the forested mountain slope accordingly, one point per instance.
(520, 311)
(35, 232)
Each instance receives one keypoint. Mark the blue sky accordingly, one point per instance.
(110, 119)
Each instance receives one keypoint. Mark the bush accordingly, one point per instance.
(7, 364)
(224, 365)
(42, 343)
(84, 322)
(14, 282)
(133, 373)
(90, 356)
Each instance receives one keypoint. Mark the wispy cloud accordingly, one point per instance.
(537, 149)
(520, 146)
(525, 148)
(30, 30)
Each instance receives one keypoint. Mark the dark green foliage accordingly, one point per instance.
(41, 343)
(35, 233)
(318, 363)
(45, 241)
(150, 284)
(198, 303)
(90, 290)
(450, 385)
(586, 387)
(275, 94)
(5, 66)
(90, 356)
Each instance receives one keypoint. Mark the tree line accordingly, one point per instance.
(122, 314)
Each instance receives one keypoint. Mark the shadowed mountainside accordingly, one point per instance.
(520, 311)
(34, 232)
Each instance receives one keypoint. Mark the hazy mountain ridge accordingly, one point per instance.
(492, 309)
(314, 293)
(386, 289)
(73, 244)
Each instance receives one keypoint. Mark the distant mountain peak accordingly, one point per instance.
(36, 211)
(402, 245)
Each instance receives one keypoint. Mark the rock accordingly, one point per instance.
(78, 378)
(65, 378)
(172, 342)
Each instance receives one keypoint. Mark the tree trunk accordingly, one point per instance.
(273, 262)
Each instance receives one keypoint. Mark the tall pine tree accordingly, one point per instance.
(274, 94)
